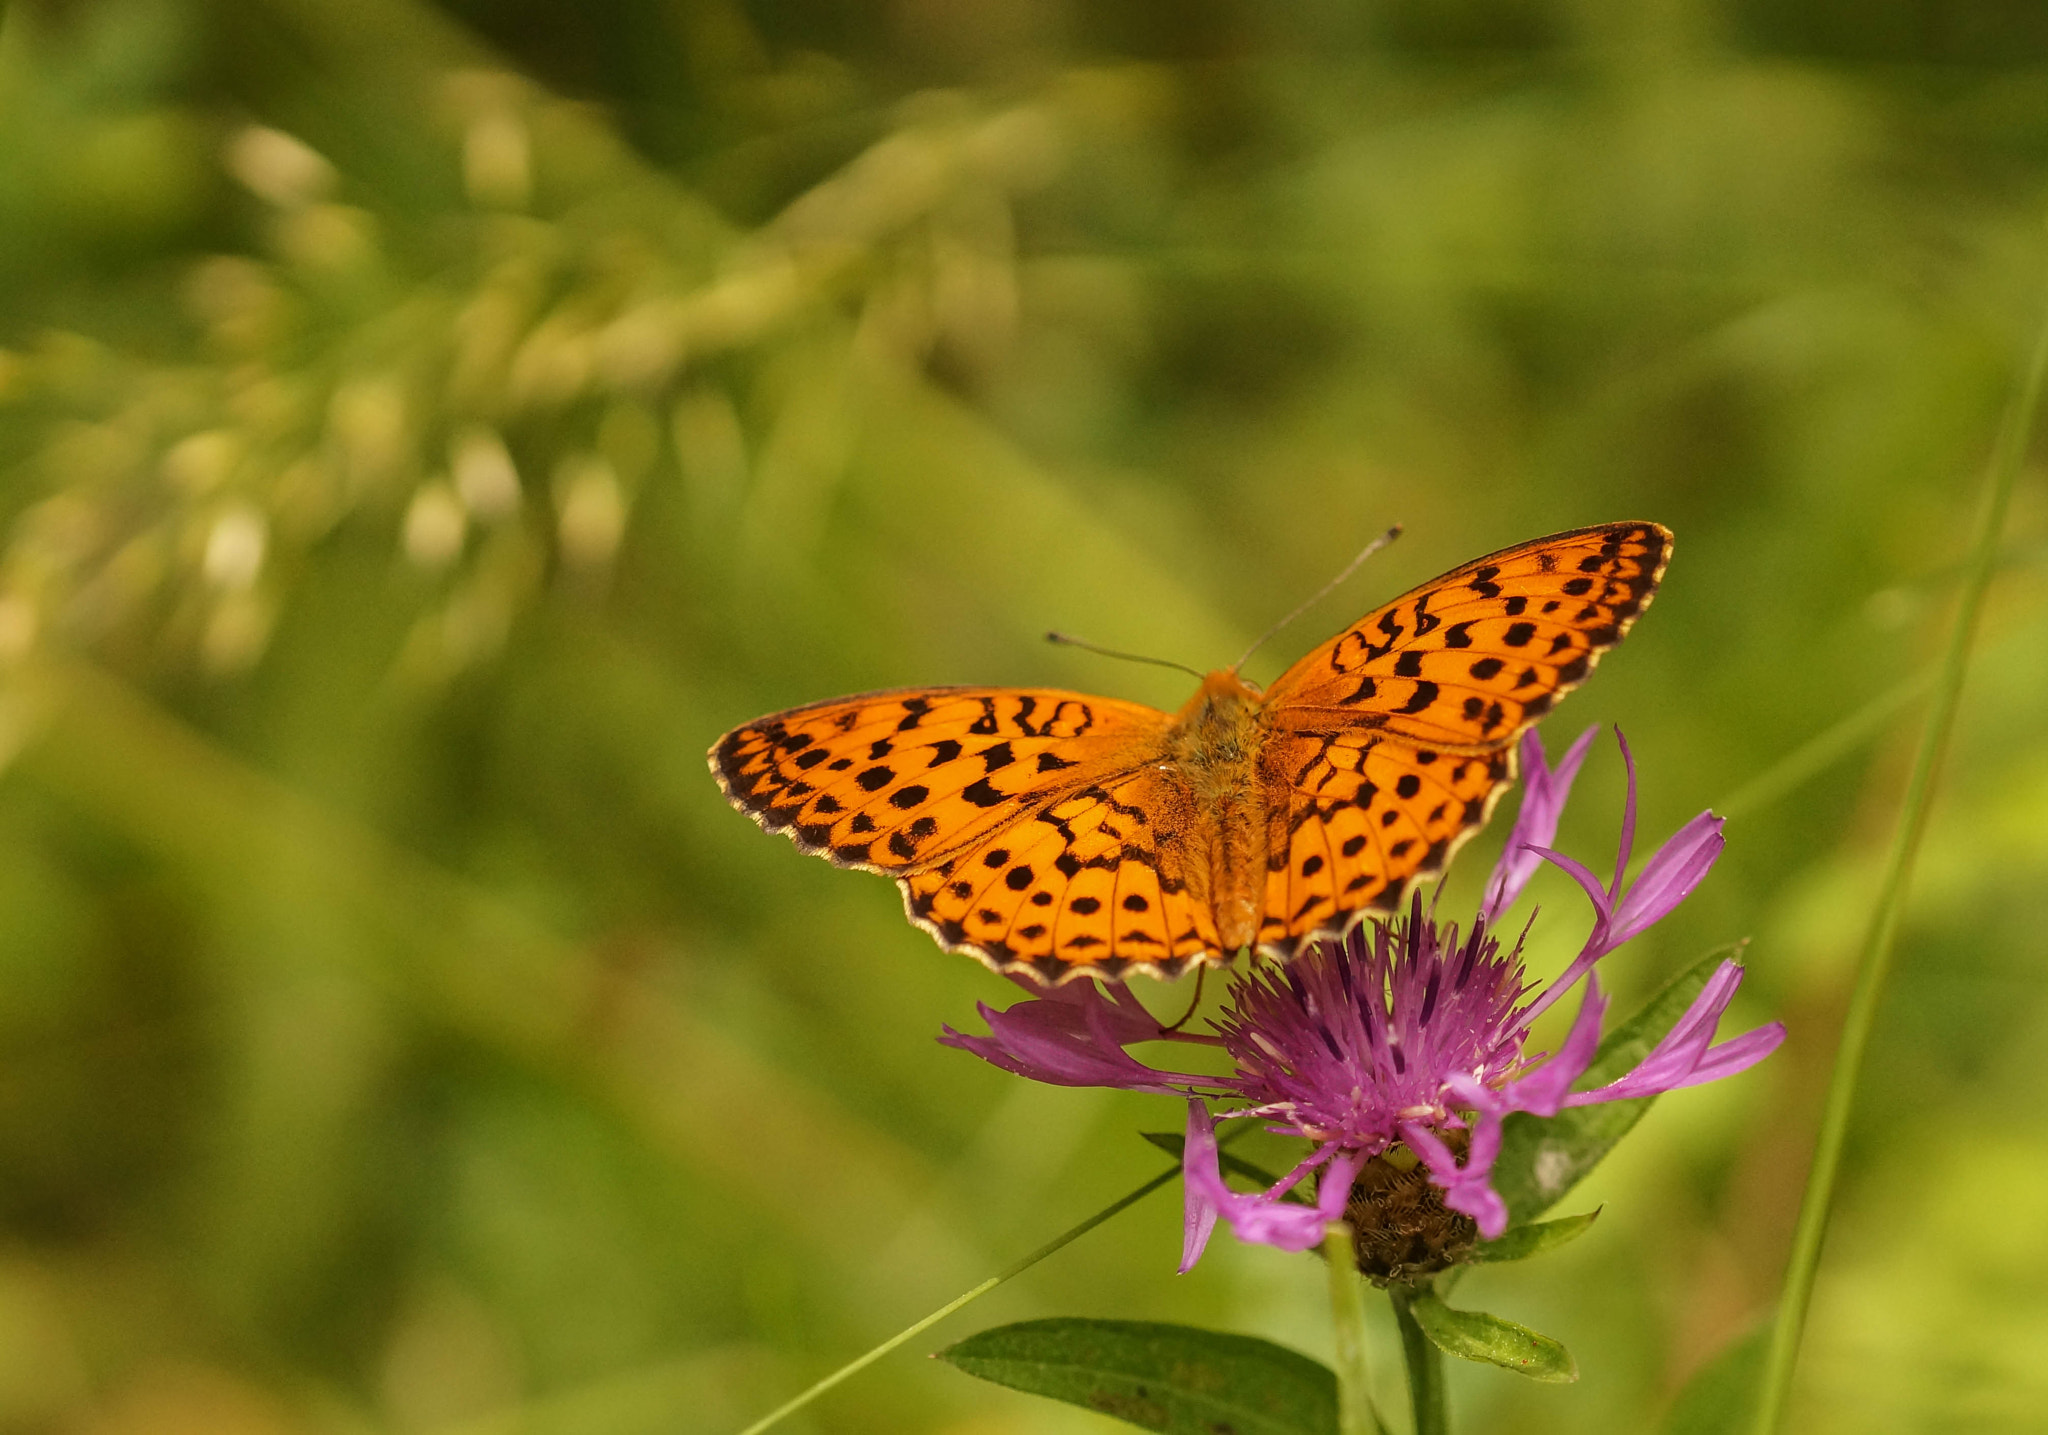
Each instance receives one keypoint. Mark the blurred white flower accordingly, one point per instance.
(235, 546)
(593, 511)
(485, 475)
(435, 525)
(278, 167)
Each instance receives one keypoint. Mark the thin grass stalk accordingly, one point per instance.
(911, 1332)
(1880, 940)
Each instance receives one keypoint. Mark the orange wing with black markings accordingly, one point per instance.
(896, 781)
(1068, 835)
(1468, 660)
(1030, 827)
(1393, 740)
(1362, 819)
(1095, 881)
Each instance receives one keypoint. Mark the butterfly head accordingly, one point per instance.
(1212, 738)
(1223, 701)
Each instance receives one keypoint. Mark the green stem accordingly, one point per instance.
(911, 1332)
(1425, 1369)
(1355, 1413)
(1875, 960)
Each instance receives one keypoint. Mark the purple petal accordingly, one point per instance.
(1542, 1093)
(1466, 1090)
(1580, 873)
(1333, 1193)
(1738, 1053)
(1628, 817)
(1126, 1015)
(1261, 1218)
(1669, 876)
(1466, 1188)
(1072, 1036)
(1685, 1056)
(1483, 1204)
(1198, 1152)
(1667, 879)
(1599, 942)
(1544, 790)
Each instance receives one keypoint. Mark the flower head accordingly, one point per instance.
(1399, 1051)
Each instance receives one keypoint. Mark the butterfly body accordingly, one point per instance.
(1067, 834)
(1210, 759)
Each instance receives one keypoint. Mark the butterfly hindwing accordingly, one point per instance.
(1361, 819)
(1091, 884)
(894, 781)
(1467, 661)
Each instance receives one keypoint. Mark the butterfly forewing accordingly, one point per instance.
(895, 781)
(1393, 740)
(1468, 660)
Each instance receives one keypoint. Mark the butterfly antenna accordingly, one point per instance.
(1068, 640)
(1321, 593)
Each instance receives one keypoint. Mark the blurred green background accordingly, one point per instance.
(423, 428)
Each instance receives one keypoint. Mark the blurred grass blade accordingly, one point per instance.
(1823, 750)
(1835, 742)
(1541, 1159)
(1522, 1242)
(1721, 1398)
(1880, 940)
(1475, 1335)
(1171, 1378)
(965, 1298)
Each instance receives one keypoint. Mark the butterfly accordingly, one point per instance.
(1062, 835)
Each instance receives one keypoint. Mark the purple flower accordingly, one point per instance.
(1071, 1035)
(1405, 1034)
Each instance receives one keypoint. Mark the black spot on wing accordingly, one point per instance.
(1425, 693)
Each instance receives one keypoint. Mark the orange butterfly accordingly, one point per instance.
(1066, 835)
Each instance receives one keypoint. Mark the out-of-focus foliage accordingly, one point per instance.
(422, 430)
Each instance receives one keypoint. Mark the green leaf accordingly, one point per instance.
(1474, 1335)
(1721, 1398)
(1541, 1159)
(1519, 1243)
(1173, 1378)
(1174, 1145)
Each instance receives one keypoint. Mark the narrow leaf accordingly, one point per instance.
(1721, 1399)
(1521, 1242)
(1543, 1158)
(1172, 1378)
(1474, 1335)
